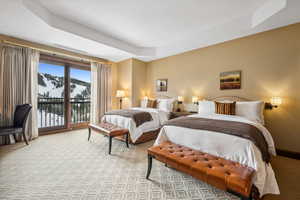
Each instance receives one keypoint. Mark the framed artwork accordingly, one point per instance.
(230, 80)
(162, 85)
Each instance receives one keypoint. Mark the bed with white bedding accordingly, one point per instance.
(227, 146)
(159, 117)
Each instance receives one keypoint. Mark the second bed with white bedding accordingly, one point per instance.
(158, 116)
(227, 146)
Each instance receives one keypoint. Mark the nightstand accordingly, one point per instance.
(174, 115)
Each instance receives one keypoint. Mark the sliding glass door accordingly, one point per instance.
(64, 94)
(80, 93)
(51, 101)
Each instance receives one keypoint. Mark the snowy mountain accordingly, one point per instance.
(53, 86)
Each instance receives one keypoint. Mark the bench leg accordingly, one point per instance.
(89, 136)
(149, 166)
(246, 198)
(110, 142)
(127, 140)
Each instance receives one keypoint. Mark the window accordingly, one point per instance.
(64, 93)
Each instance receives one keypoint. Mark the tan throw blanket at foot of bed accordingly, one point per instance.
(238, 129)
(139, 117)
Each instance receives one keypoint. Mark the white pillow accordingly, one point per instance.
(206, 107)
(144, 103)
(165, 104)
(252, 110)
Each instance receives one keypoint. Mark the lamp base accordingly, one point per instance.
(120, 103)
(269, 106)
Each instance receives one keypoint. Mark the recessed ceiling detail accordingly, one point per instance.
(83, 31)
(147, 30)
(270, 8)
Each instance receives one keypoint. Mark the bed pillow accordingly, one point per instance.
(206, 107)
(165, 104)
(151, 103)
(225, 108)
(252, 110)
(144, 103)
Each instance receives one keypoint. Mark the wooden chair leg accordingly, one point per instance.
(25, 139)
(15, 138)
(149, 166)
(89, 136)
(110, 143)
(127, 140)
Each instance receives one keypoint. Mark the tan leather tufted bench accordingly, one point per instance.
(223, 174)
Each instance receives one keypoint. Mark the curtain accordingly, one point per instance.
(101, 82)
(18, 85)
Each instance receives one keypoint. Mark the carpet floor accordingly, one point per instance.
(67, 166)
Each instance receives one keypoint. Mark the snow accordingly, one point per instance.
(77, 90)
(57, 92)
(50, 88)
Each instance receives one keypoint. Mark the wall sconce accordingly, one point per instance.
(120, 94)
(275, 102)
(195, 100)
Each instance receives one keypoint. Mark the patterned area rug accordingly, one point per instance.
(67, 166)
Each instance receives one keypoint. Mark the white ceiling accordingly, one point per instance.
(144, 29)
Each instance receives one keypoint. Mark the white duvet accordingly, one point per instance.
(227, 146)
(158, 116)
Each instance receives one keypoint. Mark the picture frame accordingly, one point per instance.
(230, 80)
(162, 85)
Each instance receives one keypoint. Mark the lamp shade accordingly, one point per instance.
(180, 98)
(194, 99)
(120, 93)
(276, 101)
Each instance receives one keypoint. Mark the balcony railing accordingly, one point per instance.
(51, 111)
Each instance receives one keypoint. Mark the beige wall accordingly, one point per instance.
(132, 79)
(139, 72)
(114, 74)
(270, 64)
(125, 81)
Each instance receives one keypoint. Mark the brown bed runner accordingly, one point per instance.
(139, 117)
(238, 129)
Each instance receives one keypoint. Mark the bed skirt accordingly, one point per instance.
(145, 137)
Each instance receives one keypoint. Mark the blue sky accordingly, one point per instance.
(58, 70)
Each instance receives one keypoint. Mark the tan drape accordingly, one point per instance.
(18, 85)
(101, 82)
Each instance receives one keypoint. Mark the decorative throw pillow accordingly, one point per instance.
(151, 103)
(225, 108)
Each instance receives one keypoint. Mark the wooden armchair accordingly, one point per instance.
(20, 117)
